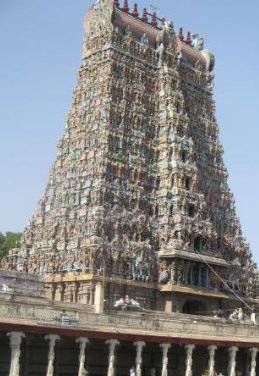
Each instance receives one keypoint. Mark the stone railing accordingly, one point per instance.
(42, 312)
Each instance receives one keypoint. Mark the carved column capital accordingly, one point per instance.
(82, 340)
(52, 338)
(189, 349)
(165, 346)
(232, 350)
(212, 349)
(15, 338)
(253, 350)
(112, 342)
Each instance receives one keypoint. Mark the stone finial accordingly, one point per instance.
(163, 20)
(144, 15)
(125, 6)
(116, 3)
(188, 39)
(154, 20)
(180, 34)
(135, 11)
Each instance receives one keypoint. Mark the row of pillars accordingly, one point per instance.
(16, 340)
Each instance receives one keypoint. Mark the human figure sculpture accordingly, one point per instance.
(144, 39)
(119, 303)
(233, 315)
(198, 42)
(127, 300)
(240, 315)
(160, 51)
(168, 25)
(127, 304)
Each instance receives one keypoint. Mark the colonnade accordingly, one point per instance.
(15, 341)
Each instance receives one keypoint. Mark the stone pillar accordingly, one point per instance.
(99, 298)
(15, 340)
(165, 347)
(52, 338)
(253, 352)
(91, 293)
(232, 360)
(83, 293)
(74, 292)
(211, 365)
(188, 362)
(139, 346)
(82, 346)
(168, 306)
(112, 343)
(59, 292)
(50, 291)
(87, 294)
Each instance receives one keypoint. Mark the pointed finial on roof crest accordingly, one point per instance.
(154, 20)
(188, 39)
(180, 34)
(144, 15)
(135, 11)
(116, 3)
(125, 6)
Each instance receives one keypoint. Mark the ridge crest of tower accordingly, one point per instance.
(190, 48)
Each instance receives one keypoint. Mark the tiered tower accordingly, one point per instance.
(138, 196)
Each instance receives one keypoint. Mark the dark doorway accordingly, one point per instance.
(194, 307)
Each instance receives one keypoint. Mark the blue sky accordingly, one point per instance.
(41, 45)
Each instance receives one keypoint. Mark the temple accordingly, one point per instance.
(137, 215)
(138, 194)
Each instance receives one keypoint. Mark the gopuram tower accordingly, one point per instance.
(137, 198)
